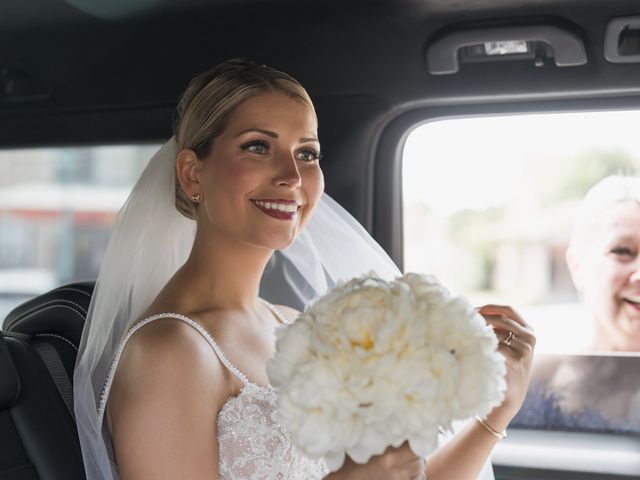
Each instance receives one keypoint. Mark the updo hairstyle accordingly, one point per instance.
(211, 97)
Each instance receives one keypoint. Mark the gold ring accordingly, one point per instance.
(509, 339)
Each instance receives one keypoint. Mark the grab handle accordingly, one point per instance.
(568, 49)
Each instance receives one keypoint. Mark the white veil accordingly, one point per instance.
(151, 240)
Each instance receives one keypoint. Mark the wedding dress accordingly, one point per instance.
(251, 443)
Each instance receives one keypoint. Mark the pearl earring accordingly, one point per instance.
(195, 197)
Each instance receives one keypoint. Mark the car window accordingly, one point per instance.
(490, 204)
(57, 206)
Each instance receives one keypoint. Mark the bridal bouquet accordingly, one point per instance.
(375, 363)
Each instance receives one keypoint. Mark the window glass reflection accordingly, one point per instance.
(57, 206)
(490, 205)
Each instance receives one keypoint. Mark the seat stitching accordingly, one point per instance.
(51, 304)
(70, 289)
(57, 336)
(57, 306)
(80, 307)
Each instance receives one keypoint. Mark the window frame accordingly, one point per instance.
(388, 229)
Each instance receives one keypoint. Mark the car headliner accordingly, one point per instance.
(132, 54)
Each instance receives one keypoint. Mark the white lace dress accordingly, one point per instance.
(251, 443)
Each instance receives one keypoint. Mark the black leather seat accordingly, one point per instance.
(38, 348)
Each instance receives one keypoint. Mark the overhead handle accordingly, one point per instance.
(567, 48)
(622, 32)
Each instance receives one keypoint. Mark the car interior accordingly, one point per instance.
(77, 73)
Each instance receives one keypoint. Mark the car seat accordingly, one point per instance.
(38, 348)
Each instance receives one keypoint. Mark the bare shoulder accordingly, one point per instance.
(164, 353)
(290, 314)
(167, 392)
(167, 336)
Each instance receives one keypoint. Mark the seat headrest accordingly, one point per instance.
(9, 381)
(62, 310)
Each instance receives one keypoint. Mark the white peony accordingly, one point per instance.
(375, 363)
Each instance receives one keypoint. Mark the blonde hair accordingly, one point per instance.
(604, 194)
(211, 98)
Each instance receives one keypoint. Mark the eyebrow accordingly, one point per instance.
(622, 237)
(625, 237)
(274, 134)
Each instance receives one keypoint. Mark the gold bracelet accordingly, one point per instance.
(490, 429)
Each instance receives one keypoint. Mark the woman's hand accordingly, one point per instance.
(394, 464)
(517, 343)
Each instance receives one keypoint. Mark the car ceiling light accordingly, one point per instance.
(506, 48)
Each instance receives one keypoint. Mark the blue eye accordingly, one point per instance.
(256, 146)
(310, 155)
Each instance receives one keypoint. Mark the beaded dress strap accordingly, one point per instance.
(276, 312)
(218, 351)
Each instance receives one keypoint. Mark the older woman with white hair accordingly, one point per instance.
(604, 260)
(598, 389)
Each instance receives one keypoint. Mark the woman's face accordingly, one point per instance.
(607, 275)
(262, 179)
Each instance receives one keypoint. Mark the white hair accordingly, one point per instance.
(604, 194)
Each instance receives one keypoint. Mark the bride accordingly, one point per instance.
(170, 380)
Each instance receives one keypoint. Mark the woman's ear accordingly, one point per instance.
(188, 168)
(573, 264)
